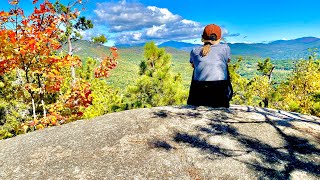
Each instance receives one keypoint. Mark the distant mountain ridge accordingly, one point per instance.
(280, 49)
(277, 50)
(299, 40)
(179, 45)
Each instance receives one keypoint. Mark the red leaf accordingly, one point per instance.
(42, 7)
(24, 22)
(12, 36)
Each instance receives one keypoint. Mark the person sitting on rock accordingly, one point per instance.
(210, 85)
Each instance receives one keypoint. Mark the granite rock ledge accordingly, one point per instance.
(183, 142)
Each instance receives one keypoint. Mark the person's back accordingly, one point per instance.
(213, 66)
(210, 84)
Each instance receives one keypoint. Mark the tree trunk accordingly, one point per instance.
(41, 93)
(34, 110)
(266, 102)
(270, 74)
(44, 108)
(31, 94)
(73, 72)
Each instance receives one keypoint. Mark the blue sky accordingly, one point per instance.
(251, 21)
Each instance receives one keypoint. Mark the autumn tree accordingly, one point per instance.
(73, 25)
(29, 47)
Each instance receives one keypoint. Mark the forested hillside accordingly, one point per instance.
(130, 58)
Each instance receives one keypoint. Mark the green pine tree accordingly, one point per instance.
(157, 85)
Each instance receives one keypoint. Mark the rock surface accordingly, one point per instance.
(170, 143)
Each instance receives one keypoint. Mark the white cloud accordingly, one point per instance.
(163, 15)
(154, 31)
(137, 36)
(123, 16)
(86, 35)
(174, 31)
(132, 23)
(96, 31)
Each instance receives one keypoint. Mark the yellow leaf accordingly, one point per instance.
(25, 128)
(40, 126)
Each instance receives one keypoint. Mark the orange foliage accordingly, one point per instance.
(31, 47)
(107, 64)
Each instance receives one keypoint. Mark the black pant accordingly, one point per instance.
(209, 93)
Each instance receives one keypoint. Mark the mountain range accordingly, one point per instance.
(278, 50)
